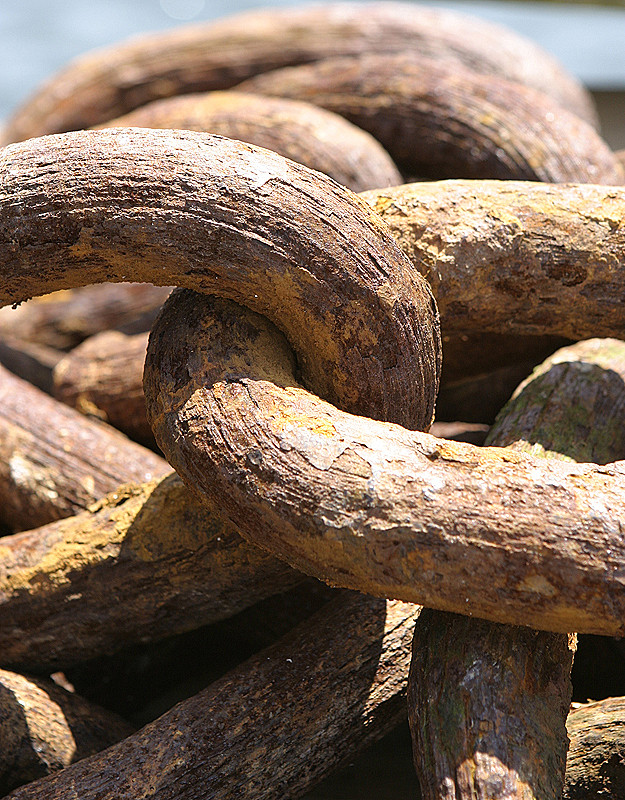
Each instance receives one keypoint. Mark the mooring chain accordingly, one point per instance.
(113, 81)
(398, 513)
(290, 378)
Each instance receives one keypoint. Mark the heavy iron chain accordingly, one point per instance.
(355, 500)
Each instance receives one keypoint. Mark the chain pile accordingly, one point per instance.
(291, 381)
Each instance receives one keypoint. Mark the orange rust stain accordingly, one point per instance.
(288, 414)
(483, 457)
(320, 427)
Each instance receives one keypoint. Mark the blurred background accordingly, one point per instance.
(37, 37)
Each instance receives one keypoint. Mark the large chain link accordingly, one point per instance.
(340, 483)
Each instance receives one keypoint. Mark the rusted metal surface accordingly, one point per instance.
(177, 207)
(54, 462)
(270, 728)
(358, 501)
(303, 132)
(488, 703)
(483, 531)
(113, 81)
(44, 728)
(440, 121)
(170, 563)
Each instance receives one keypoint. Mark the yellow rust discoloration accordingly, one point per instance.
(75, 543)
(71, 548)
(215, 215)
(372, 506)
(536, 450)
(485, 458)
(319, 427)
(382, 203)
(495, 252)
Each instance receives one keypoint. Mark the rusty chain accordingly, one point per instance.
(347, 495)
